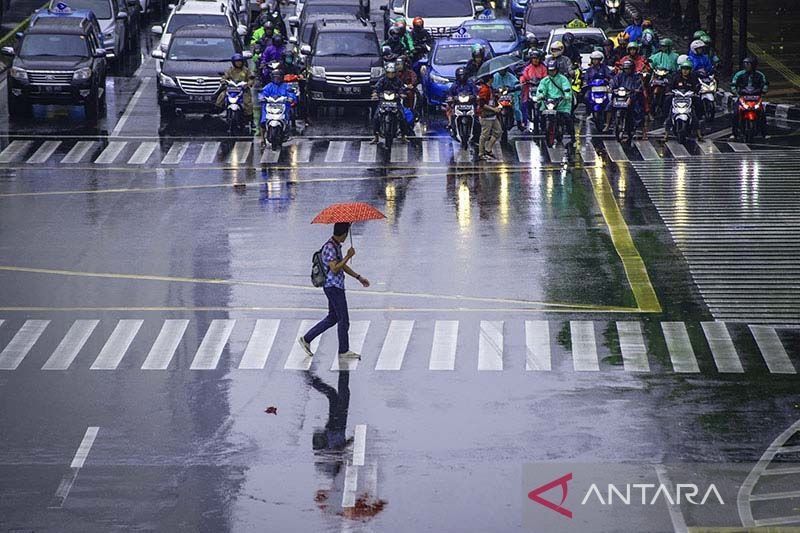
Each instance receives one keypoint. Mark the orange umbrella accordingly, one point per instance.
(349, 212)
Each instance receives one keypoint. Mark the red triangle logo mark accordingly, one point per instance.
(535, 495)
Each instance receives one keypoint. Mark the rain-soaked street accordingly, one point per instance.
(616, 306)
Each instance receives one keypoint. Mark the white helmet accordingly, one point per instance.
(557, 48)
(682, 58)
(696, 45)
(597, 54)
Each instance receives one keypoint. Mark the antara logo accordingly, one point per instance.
(535, 495)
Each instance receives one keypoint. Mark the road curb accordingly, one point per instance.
(781, 111)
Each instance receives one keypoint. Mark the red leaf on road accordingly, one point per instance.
(271, 410)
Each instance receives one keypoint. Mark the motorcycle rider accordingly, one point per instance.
(406, 75)
(396, 43)
(608, 53)
(699, 57)
(712, 54)
(597, 68)
(563, 63)
(531, 45)
(405, 35)
(634, 30)
(557, 86)
(632, 81)
(260, 39)
(505, 78)
(474, 64)
(238, 72)
(665, 59)
(274, 89)
(648, 44)
(685, 79)
(570, 50)
(622, 47)
(461, 85)
(272, 53)
(390, 82)
(534, 71)
(752, 79)
(422, 39)
(273, 14)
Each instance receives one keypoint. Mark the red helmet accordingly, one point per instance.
(418, 22)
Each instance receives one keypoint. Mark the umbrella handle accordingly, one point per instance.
(351, 240)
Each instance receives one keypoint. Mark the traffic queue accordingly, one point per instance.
(487, 73)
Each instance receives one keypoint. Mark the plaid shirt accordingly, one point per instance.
(332, 251)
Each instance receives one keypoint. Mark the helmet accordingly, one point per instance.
(395, 32)
(400, 63)
(696, 45)
(608, 42)
(477, 50)
(557, 48)
(267, 25)
(530, 38)
(277, 40)
(568, 38)
(637, 17)
(648, 37)
(237, 57)
(750, 60)
(627, 64)
(418, 22)
(538, 54)
(597, 55)
(682, 58)
(287, 56)
(276, 75)
(706, 39)
(623, 37)
(390, 68)
(665, 43)
(686, 64)
(551, 65)
(461, 74)
(647, 23)
(633, 44)
(698, 34)
(400, 22)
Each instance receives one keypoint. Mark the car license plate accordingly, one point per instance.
(51, 89)
(349, 90)
(200, 98)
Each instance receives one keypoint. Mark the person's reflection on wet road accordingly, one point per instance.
(333, 436)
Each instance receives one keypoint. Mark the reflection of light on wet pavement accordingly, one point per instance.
(622, 182)
(463, 207)
(680, 197)
(502, 196)
(748, 183)
(390, 192)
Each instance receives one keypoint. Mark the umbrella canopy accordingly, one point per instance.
(349, 212)
(497, 64)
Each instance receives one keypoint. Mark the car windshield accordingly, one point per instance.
(217, 49)
(440, 8)
(308, 25)
(551, 15)
(179, 21)
(350, 44)
(586, 43)
(452, 55)
(322, 9)
(493, 32)
(101, 8)
(54, 45)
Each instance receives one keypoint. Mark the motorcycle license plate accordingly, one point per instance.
(349, 90)
(549, 112)
(200, 98)
(464, 108)
(620, 103)
(600, 89)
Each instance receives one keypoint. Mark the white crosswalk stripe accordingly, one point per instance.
(44, 152)
(240, 153)
(110, 152)
(14, 151)
(647, 150)
(78, 152)
(300, 152)
(588, 153)
(739, 147)
(175, 153)
(335, 152)
(430, 152)
(367, 152)
(268, 155)
(449, 338)
(143, 153)
(208, 153)
(708, 147)
(19, 346)
(399, 153)
(556, 154)
(678, 150)
(615, 151)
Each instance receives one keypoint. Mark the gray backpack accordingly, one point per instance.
(317, 269)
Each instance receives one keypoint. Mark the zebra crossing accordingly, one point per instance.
(735, 220)
(396, 345)
(419, 151)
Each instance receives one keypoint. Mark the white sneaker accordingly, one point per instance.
(351, 354)
(306, 346)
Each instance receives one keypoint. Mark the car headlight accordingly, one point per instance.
(82, 74)
(318, 72)
(376, 72)
(439, 79)
(109, 36)
(166, 81)
(19, 74)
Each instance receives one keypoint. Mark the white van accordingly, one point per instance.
(442, 17)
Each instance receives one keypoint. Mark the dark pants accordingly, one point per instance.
(337, 315)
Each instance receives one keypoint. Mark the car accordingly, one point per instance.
(586, 39)
(112, 21)
(192, 67)
(587, 10)
(343, 63)
(194, 12)
(326, 7)
(363, 4)
(442, 17)
(543, 17)
(501, 34)
(58, 61)
(304, 32)
(83, 15)
(439, 71)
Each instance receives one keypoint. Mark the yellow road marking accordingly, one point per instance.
(635, 270)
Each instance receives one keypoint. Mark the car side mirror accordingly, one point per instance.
(100, 52)
(157, 30)
(398, 10)
(122, 15)
(170, 6)
(293, 20)
(241, 30)
(8, 51)
(157, 54)
(19, 35)
(293, 39)
(247, 54)
(305, 49)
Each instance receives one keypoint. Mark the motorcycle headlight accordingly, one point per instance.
(376, 72)
(166, 81)
(435, 78)
(463, 99)
(82, 74)
(19, 74)
(612, 3)
(318, 72)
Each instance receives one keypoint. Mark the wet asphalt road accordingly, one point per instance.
(633, 304)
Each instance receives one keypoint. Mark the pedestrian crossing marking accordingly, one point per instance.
(399, 153)
(490, 345)
(69, 347)
(298, 359)
(588, 153)
(584, 348)
(556, 153)
(708, 147)
(772, 350)
(367, 152)
(268, 155)
(460, 155)
(77, 152)
(647, 150)
(615, 151)
(335, 153)
(722, 348)
(117, 344)
(631, 343)
(430, 152)
(358, 335)
(14, 151)
(240, 153)
(678, 150)
(44, 152)
(110, 152)
(143, 153)
(213, 343)
(260, 344)
(166, 343)
(739, 147)
(443, 350)
(537, 343)
(300, 152)
(208, 153)
(394, 347)
(175, 153)
(19, 346)
(679, 347)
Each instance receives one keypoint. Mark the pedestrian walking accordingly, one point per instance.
(335, 266)
(491, 130)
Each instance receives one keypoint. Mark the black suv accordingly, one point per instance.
(343, 63)
(58, 61)
(197, 57)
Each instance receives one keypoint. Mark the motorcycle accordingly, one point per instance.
(505, 100)
(552, 125)
(388, 111)
(598, 97)
(613, 10)
(534, 113)
(658, 89)
(463, 118)
(708, 92)
(749, 110)
(234, 107)
(681, 114)
(275, 109)
(621, 105)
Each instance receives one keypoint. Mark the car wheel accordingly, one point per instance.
(92, 106)
(18, 107)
